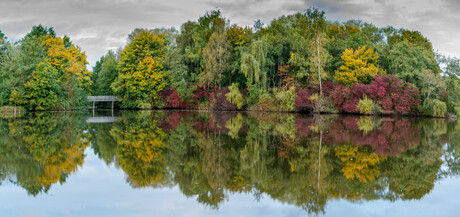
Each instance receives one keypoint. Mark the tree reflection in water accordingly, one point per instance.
(296, 159)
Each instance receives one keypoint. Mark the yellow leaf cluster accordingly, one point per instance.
(69, 61)
(148, 79)
(140, 153)
(358, 66)
(359, 163)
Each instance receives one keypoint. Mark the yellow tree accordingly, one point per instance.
(358, 66)
(141, 71)
(146, 82)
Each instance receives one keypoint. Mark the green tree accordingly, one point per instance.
(451, 78)
(42, 89)
(412, 37)
(4, 48)
(408, 62)
(216, 56)
(189, 49)
(17, 70)
(107, 74)
(95, 78)
(70, 63)
(179, 78)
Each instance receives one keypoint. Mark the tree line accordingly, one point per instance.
(299, 62)
(43, 72)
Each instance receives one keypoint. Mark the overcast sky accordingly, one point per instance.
(99, 25)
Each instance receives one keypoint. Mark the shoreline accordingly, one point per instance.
(453, 117)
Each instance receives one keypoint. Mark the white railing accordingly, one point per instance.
(102, 98)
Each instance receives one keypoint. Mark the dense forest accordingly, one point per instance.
(300, 62)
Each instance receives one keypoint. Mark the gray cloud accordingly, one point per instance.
(99, 25)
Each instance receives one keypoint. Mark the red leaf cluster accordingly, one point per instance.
(388, 91)
(404, 96)
(302, 101)
(172, 99)
(376, 90)
(343, 99)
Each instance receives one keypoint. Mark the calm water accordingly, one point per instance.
(227, 164)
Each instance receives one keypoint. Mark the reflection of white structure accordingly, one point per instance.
(101, 120)
(104, 119)
(95, 99)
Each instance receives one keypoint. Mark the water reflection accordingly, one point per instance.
(38, 151)
(301, 160)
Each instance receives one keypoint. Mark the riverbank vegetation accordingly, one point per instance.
(300, 62)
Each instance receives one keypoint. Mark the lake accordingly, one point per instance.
(184, 163)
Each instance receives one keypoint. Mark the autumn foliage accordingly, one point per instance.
(358, 66)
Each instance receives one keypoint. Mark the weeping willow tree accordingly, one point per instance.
(253, 62)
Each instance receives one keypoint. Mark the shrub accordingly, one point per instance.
(386, 103)
(351, 105)
(328, 87)
(340, 96)
(253, 94)
(286, 99)
(303, 101)
(434, 107)
(266, 102)
(175, 101)
(234, 96)
(322, 104)
(367, 106)
(280, 100)
(143, 105)
(375, 90)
